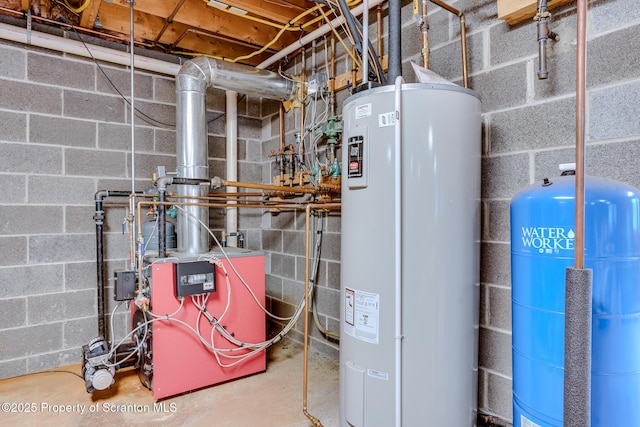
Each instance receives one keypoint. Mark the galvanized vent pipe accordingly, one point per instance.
(192, 82)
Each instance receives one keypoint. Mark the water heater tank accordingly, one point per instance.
(430, 366)
(542, 239)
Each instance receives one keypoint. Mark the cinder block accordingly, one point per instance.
(503, 176)
(445, 60)
(547, 162)
(61, 248)
(324, 347)
(272, 240)
(87, 105)
(274, 287)
(331, 246)
(216, 100)
(13, 368)
(283, 265)
(13, 251)
(23, 281)
(30, 219)
(55, 359)
(292, 292)
(30, 340)
(293, 243)
(95, 163)
(495, 351)
(333, 275)
(478, 13)
(500, 308)
(155, 114)
(518, 130)
(495, 262)
(269, 107)
(57, 71)
(112, 136)
(62, 131)
(165, 141)
(14, 126)
(502, 87)
(249, 172)
(498, 220)
(147, 164)
(254, 151)
(605, 16)
(79, 219)
(30, 158)
(327, 301)
(13, 312)
(500, 396)
(29, 97)
(121, 79)
(250, 219)
(483, 316)
(613, 48)
(164, 89)
(13, 63)
(512, 43)
(80, 275)
(117, 246)
(482, 389)
(249, 128)
(217, 147)
(614, 160)
(61, 306)
(60, 190)
(79, 332)
(14, 188)
(282, 220)
(610, 114)
(561, 63)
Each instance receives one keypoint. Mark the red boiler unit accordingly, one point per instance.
(176, 360)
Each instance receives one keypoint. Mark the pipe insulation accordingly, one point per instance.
(395, 28)
(192, 82)
(577, 348)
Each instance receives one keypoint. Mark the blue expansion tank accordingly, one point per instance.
(542, 242)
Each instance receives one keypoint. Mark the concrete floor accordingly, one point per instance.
(269, 399)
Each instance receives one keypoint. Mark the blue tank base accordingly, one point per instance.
(522, 418)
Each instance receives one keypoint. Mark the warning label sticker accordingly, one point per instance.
(362, 315)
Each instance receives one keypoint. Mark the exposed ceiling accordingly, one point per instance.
(248, 31)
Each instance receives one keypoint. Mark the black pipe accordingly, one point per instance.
(395, 27)
(162, 224)
(190, 181)
(99, 217)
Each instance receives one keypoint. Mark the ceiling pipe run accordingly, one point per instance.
(192, 82)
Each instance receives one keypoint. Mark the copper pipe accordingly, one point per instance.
(379, 21)
(324, 206)
(463, 38)
(285, 189)
(424, 29)
(169, 20)
(581, 88)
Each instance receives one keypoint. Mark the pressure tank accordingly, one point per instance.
(542, 247)
(409, 311)
(150, 235)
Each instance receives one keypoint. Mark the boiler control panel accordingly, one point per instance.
(196, 277)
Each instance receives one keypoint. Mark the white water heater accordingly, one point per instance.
(410, 258)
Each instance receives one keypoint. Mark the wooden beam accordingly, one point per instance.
(267, 9)
(88, 17)
(515, 11)
(344, 80)
(196, 13)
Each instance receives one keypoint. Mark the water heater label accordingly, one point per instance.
(386, 119)
(363, 110)
(362, 315)
(548, 240)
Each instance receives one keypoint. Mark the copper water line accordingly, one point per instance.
(463, 38)
(324, 206)
(424, 29)
(581, 61)
(323, 188)
(332, 78)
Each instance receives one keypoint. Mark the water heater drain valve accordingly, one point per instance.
(97, 371)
